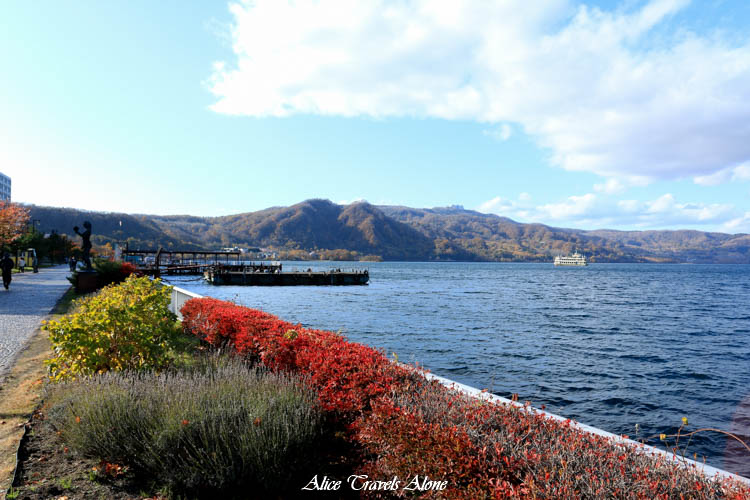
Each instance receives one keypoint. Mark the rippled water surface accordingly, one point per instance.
(610, 345)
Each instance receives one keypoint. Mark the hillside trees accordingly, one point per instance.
(395, 233)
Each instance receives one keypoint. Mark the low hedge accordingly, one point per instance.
(113, 271)
(348, 376)
(108, 272)
(408, 426)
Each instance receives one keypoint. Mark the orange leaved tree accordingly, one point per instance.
(13, 221)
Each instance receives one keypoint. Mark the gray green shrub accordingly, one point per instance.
(217, 425)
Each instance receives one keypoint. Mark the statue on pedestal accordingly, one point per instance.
(86, 247)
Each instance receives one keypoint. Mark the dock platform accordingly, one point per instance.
(273, 276)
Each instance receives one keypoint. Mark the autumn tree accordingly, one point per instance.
(13, 222)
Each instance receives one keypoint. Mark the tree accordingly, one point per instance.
(13, 221)
(52, 247)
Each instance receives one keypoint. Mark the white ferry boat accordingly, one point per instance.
(571, 260)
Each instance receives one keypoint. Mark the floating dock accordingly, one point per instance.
(271, 275)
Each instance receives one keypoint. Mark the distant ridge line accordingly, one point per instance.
(359, 230)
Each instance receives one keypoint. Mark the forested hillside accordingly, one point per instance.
(395, 233)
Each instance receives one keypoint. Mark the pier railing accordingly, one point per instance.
(180, 296)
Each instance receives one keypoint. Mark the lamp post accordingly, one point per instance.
(35, 261)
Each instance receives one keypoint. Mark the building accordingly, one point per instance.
(4, 187)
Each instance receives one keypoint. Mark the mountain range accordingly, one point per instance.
(362, 230)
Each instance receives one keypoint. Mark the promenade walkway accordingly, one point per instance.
(22, 308)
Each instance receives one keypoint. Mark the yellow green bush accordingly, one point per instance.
(124, 326)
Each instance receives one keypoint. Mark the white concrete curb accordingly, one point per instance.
(643, 448)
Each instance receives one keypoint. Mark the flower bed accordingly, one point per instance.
(216, 429)
(408, 426)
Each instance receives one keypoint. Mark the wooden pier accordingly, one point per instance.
(174, 262)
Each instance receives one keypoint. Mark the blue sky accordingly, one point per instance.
(617, 114)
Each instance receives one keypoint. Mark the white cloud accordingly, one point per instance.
(505, 206)
(738, 224)
(498, 205)
(573, 206)
(611, 186)
(349, 202)
(578, 208)
(666, 211)
(591, 211)
(628, 206)
(741, 172)
(714, 179)
(501, 133)
(738, 173)
(592, 86)
(662, 204)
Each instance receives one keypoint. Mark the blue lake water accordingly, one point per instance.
(610, 345)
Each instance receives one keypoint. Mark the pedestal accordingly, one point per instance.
(86, 281)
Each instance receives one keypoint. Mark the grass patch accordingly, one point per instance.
(65, 303)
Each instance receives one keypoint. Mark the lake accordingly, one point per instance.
(609, 345)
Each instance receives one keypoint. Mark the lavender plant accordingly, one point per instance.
(216, 425)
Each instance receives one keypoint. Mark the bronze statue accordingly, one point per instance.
(86, 237)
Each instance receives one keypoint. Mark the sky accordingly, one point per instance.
(627, 115)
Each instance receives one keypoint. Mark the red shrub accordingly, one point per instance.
(403, 445)
(223, 323)
(408, 426)
(347, 375)
(128, 268)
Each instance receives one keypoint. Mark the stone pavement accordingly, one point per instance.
(22, 308)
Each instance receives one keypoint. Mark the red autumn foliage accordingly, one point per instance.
(13, 221)
(528, 454)
(348, 376)
(403, 444)
(128, 268)
(407, 425)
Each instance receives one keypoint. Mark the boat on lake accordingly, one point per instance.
(571, 260)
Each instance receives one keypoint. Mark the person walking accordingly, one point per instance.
(72, 264)
(21, 264)
(6, 265)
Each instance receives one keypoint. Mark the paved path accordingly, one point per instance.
(30, 299)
